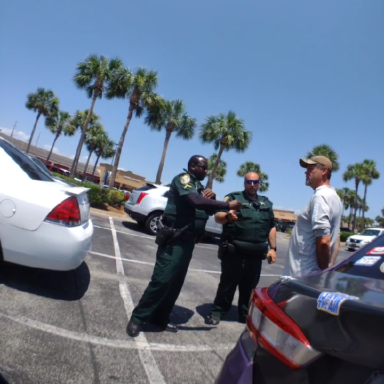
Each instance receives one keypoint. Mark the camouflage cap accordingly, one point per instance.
(322, 160)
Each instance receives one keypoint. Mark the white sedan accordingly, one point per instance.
(43, 223)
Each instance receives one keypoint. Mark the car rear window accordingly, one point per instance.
(366, 262)
(26, 165)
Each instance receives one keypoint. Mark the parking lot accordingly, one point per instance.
(69, 327)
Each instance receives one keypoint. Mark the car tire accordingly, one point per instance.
(151, 222)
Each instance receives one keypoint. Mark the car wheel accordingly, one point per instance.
(151, 222)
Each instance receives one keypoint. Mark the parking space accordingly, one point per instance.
(69, 327)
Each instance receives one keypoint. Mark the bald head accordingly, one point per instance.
(251, 184)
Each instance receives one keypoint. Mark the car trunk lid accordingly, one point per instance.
(342, 326)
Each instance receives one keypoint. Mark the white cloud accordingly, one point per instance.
(16, 134)
(48, 148)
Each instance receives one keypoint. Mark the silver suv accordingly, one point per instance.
(147, 204)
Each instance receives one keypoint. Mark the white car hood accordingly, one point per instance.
(26, 205)
(364, 238)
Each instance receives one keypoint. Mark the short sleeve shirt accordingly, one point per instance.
(322, 216)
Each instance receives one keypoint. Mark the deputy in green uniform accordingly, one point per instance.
(185, 214)
(243, 247)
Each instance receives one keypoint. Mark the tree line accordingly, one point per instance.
(101, 77)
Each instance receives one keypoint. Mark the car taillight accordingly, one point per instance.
(66, 213)
(276, 332)
(141, 197)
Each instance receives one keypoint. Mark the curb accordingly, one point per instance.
(106, 214)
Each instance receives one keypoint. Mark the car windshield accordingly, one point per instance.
(19, 163)
(370, 232)
(366, 262)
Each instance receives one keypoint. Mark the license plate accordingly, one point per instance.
(353, 245)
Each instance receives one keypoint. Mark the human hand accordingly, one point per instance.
(272, 254)
(231, 215)
(234, 204)
(209, 194)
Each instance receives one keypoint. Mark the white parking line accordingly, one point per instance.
(149, 363)
(152, 264)
(145, 237)
(112, 343)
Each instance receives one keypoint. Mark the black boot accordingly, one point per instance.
(133, 329)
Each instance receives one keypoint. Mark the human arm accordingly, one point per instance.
(335, 253)
(225, 217)
(272, 244)
(320, 213)
(323, 251)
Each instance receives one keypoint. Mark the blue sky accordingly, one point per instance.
(298, 73)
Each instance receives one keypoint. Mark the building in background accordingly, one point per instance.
(62, 164)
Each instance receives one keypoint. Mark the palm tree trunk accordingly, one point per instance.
(168, 134)
(33, 131)
(355, 211)
(94, 167)
(50, 152)
(82, 137)
(364, 200)
(120, 147)
(217, 162)
(86, 165)
(350, 216)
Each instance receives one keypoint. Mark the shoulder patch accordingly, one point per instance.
(185, 179)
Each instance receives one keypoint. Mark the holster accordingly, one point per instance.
(225, 248)
(164, 235)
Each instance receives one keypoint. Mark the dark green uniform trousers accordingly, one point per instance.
(168, 277)
(236, 270)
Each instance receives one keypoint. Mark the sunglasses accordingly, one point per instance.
(250, 182)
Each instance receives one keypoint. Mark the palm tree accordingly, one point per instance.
(171, 116)
(327, 151)
(80, 117)
(93, 75)
(138, 88)
(356, 172)
(105, 150)
(45, 103)
(59, 123)
(95, 135)
(221, 170)
(370, 174)
(249, 166)
(344, 195)
(226, 132)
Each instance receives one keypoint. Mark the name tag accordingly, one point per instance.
(330, 302)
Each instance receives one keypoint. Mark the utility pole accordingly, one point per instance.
(14, 126)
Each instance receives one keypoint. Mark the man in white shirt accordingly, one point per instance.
(314, 242)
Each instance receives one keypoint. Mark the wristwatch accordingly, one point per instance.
(274, 248)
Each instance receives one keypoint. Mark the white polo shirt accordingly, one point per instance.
(321, 217)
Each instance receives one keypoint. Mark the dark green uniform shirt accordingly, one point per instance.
(256, 219)
(178, 211)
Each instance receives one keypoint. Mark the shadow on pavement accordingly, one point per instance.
(58, 285)
(135, 227)
(3, 380)
(204, 310)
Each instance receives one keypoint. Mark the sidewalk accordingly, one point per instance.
(118, 216)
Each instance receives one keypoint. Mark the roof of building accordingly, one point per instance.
(43, 153)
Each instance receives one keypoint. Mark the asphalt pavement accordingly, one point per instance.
(69, 327)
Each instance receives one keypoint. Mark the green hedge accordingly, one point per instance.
(345, 235)
(97, 195)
